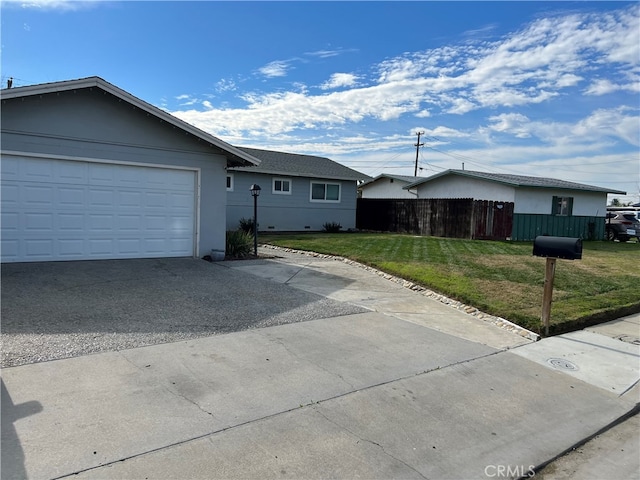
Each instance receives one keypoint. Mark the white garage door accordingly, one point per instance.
(69, 210)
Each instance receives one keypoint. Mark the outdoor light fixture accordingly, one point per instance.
(255, 192)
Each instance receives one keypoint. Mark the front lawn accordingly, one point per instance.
(500, 278)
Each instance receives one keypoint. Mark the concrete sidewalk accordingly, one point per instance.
(413, 389)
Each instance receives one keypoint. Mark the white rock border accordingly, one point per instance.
(468, 309)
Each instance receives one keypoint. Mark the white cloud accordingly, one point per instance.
(514, 123)
(324, 53)
(225, 85)
(338, 80)
(52, 4)
(461, 106)
(330, 53)
(186, 100)
(552, 59)
(610, 123)
(277, 68)
(568, 80)
(480, 32)
(603, 86)
(599, 127)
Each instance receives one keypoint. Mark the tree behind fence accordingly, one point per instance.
(438, 217)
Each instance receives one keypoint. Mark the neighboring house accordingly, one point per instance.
(388, 186)
(299, 192)
(91, 172)
(541, 205)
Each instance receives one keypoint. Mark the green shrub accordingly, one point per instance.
(246, 225)
(332, 227)
(239, 244)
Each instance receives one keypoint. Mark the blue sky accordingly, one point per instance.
(534, 88)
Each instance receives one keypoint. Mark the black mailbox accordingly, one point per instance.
(558, 247)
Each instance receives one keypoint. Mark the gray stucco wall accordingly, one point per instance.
(295, 212)
(90, 123)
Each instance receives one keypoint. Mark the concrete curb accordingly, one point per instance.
(634, 411)
(468, 309)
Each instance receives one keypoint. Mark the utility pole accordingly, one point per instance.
(417, 145)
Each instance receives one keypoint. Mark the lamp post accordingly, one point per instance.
(255, 191)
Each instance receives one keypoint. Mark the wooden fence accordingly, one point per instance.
(438, 217)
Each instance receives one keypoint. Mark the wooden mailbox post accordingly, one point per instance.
(553, 248)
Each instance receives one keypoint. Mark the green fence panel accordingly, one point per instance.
(526, 227)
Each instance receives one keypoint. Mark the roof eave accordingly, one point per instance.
(512, 184)
(381, 176)
(294, 174)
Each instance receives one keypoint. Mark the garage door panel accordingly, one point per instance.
(10, 223)
(71, 197)
(100, 223)
(100, 219)
(129, 199)
(10, 249)
(71, 248)
(156, 200)
(10, 194)
(39, 249)
(155, 245)
(101, 247)
(129, 223)
(71, 222)
(37, 195)
(155, 223)
(101, 174)
(37, 171)
(179, 224)
(131, 177)
(10, 167)
(183, 181)
(130, 246)
(179, 246)
(39, 222)
(180, 201)
(100, 198)
(74, 173)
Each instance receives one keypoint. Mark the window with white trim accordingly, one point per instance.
(229, 182)
(281, 186)
(325, 192)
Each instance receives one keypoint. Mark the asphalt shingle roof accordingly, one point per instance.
(403, 178)
(519, 181)
(296, 165)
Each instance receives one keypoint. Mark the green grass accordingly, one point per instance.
(500, 278)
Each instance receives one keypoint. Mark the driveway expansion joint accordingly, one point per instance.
(372, 442)
(294, 354)
(168, 388)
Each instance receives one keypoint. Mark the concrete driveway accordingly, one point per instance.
(64, 309)
(391, 392)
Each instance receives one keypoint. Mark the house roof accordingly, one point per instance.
(234, 155)
(296, 165)
(402, 178)
(517, 181)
